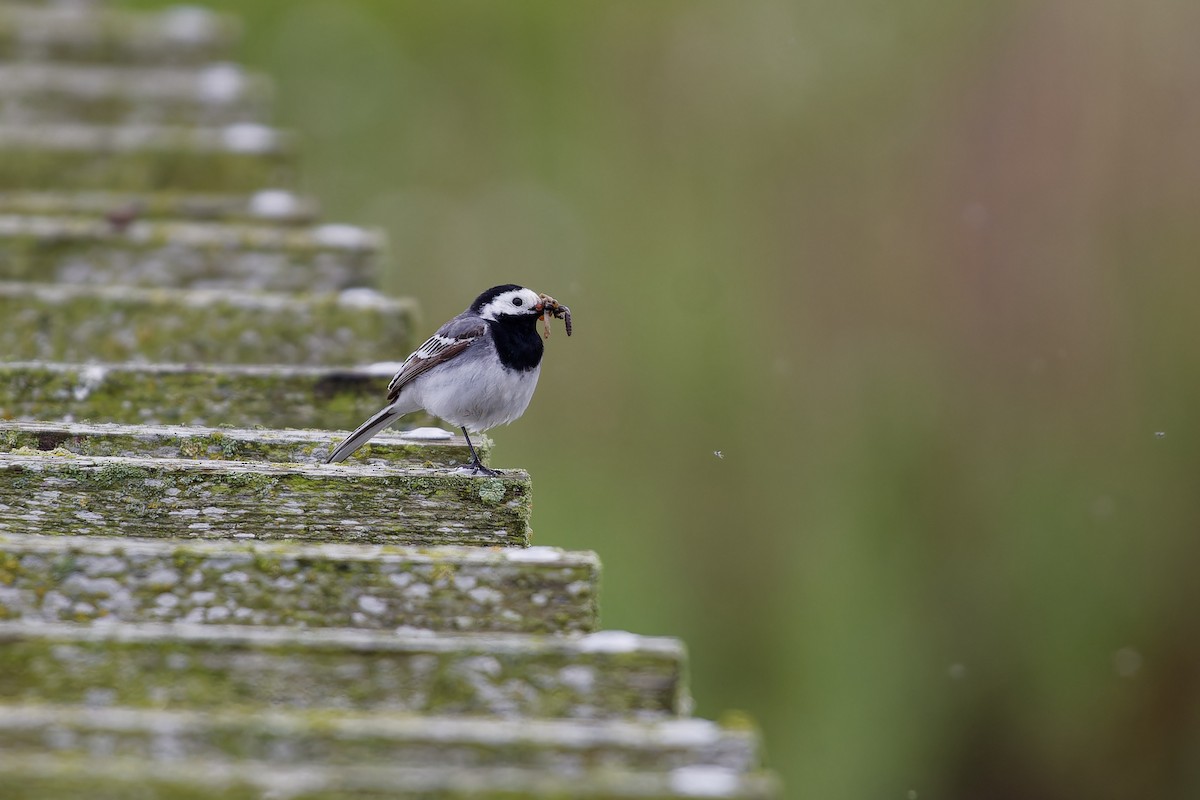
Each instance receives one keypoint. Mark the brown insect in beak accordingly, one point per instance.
(555, 309)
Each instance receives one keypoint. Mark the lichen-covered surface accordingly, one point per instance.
(61, 493)
(215, 94)
(233, 158)
(181, 35)
(330, 398)
(100, 776)
(178, 253)
(501, 590)
(401, 449)
(57, 322)
(561, 747)
(267, 206)
(600, 675)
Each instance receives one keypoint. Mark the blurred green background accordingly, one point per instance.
(884, 387)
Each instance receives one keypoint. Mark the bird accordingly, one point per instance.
(477, 371)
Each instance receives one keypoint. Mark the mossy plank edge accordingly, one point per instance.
(331, 398)
(59, 322)
(265, 207)
(180, 35)
(237, 444)
(199, 255)
(505, 590)
(594, 676)
(214, 94)
(233, 158)
(47, 776)
(61, 493)
(556, 746)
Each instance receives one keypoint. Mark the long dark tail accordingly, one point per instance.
(374, 425)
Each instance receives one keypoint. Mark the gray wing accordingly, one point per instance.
(451, 339)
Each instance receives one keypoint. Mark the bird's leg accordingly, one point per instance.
(476, 464)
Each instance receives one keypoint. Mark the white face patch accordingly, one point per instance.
(512, 303)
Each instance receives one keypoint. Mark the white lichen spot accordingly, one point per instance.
(90, 379)
(361, 297)
(491, 491)
(539, 599)
(213, 511)
(704, 780)
(248, 137)
(220, 83)
(539, 554)
(372, 605)
(428, 434)
(610, 642)
(162, 578)
(400, 579)
(237, 577)
(485, 595)
(465, 582)
(578, 678)
(348, 237)
(273, 203)
(166, 600)
(577, 588)
(418, 590)
(188, 23)
(217, 614)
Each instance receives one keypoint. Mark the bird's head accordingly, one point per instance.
(508, 303)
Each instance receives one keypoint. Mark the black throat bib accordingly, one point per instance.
(517, 342)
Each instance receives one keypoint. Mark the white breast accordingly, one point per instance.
(475, 393)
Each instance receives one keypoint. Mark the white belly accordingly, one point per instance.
(474, 398)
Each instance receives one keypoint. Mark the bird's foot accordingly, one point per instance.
(477, 468)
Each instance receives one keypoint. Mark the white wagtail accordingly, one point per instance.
(478, 371)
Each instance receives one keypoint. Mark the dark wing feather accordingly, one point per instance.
(451, 339)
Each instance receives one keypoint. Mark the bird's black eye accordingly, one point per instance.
(518, 301)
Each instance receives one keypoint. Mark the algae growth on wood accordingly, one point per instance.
(266, 206)
(556, 746)
(415, 448)
(595, 676)
(156, 497)
(232, 158)
(184, 35)
(38, 93)
(57, 322)
(151, 253)
(330, 398)
(70, 776)
(87, 579)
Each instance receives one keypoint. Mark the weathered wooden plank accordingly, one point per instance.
(234, 158)
(55, 493)
(265, 207)
(600, 675)
(276, 397)
(559, 747)
(200, 255)
(215, 94)
(96, 776)
(473, 589)
(181, 35)
(420, 447)
(58, 322)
